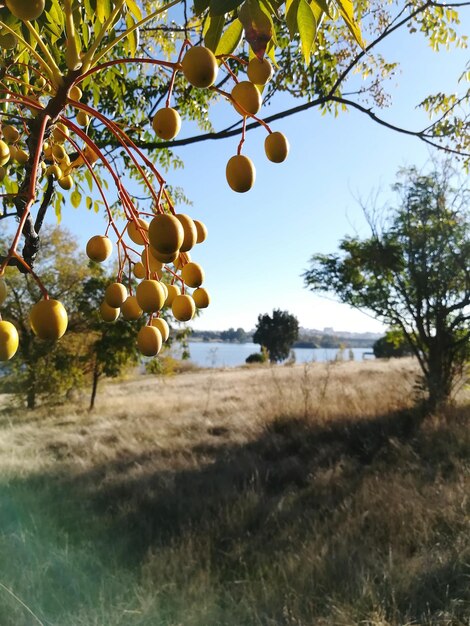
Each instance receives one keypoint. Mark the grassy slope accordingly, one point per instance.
(287, 496)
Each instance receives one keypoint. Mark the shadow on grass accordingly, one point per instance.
(252, 508)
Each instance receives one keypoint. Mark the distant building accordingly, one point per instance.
(329, 331)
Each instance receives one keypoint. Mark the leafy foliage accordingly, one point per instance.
(413, 273)
(112, 347)
(393, 344)
(46, 370)
(277, 334)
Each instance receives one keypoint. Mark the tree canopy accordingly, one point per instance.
(413, 273)
(277, 333)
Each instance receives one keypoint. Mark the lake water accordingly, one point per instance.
(218, 354)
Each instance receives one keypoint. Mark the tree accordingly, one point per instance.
(239, 335)
(277, 334)
(413, 273)
(392, 345)
(111, 347)
(83, 83)
(47, 369)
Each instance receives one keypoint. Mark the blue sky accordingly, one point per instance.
(260, 242)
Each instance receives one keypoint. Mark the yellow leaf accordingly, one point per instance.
(346, 9)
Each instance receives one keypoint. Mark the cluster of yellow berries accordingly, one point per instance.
(56, 162)
(200, 67)
(164, 269)
(10, 149)
(167, 239)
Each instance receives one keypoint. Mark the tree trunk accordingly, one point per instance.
(31, 391)
(439, 378)
(96, 377)
(31, 398)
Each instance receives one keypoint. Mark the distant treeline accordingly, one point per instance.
(310, 340)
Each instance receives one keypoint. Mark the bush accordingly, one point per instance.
(257, 357)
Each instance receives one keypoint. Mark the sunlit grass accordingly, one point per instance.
(262, 496)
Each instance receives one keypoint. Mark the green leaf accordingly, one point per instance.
(132, 39)
(89, 202)
(318, 12)
(75, 198)
(58, 207)
(292, 7)
(213, 31)
(258, 26)
(200, 6)
(230, 39)
(89, 179)
(221, 7)
(103, 10)
(134, 9)
(307, 26)
(322, 6)
(346, 9)
(271, 53)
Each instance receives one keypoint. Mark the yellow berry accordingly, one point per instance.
(48, 319)
(82, 118)
(200, 66)
(247, 98)
(55, 171)
(164, 258)
(276, 147)
(26, 9)
(173, 291)
(21, 156)
(181, 260)
(149, 340)
(166, 123)
(259, 71)
(9, 340)
(161, 324)
(192, 274)
(66, 182)
(5, 152)
(135, 233)
(166, 233)
(240, 173)
(99, 248)
(154, 264)
(60, 133)
(75, 93)
(130, 309)
(109, 313)
(11, 133)
(8, 41)
(201, 298)
(115, 294)
(201, 230)
(190, 232)
(139, 270)
(150, 295)
(183, 308)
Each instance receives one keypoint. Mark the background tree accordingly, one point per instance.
(239, 335)
(111, 347)
(413, 273)
(392, 345)
(277, 334)
(47, 369)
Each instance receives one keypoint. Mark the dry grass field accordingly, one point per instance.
(291, 496)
